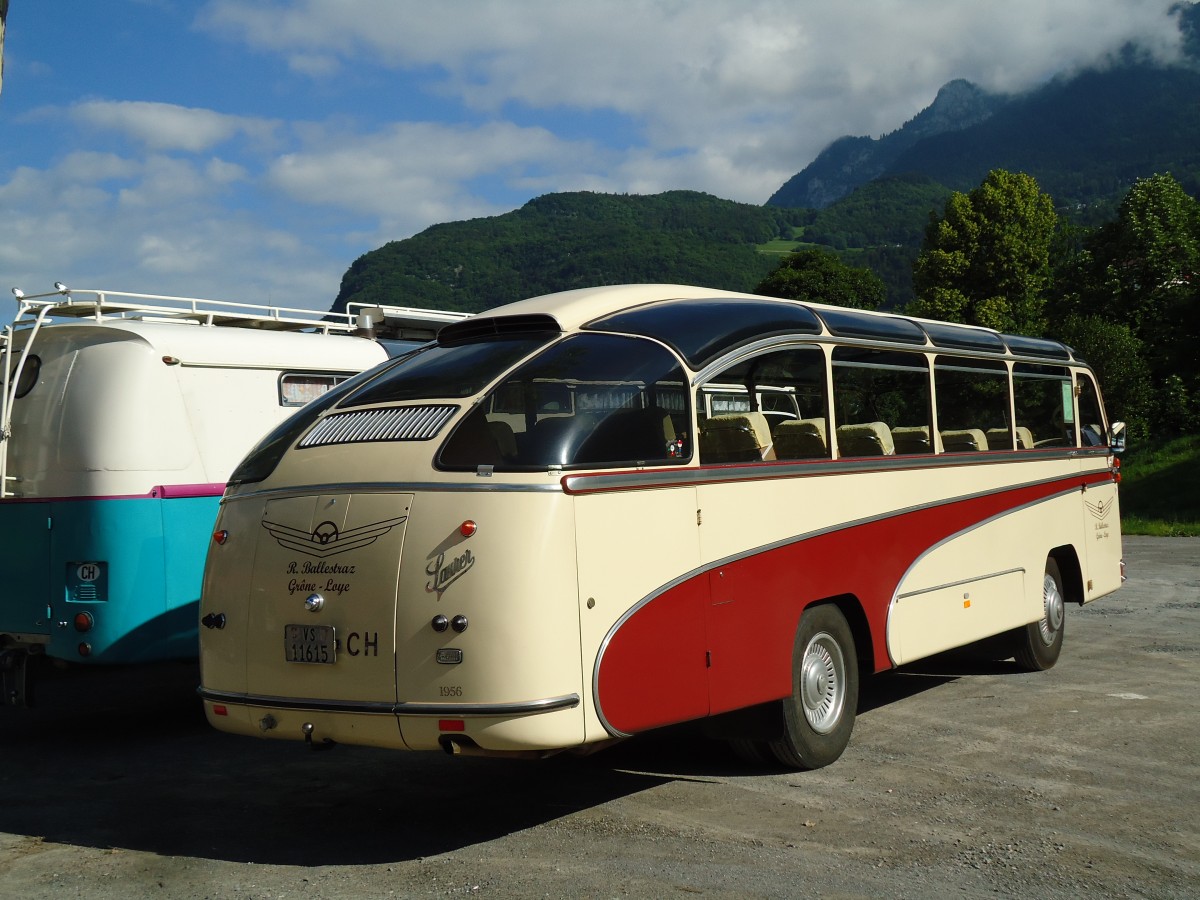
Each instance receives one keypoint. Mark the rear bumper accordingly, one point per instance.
(446, 710)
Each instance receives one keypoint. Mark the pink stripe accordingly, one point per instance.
(175, 491)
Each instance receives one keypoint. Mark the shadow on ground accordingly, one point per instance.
(125, 759)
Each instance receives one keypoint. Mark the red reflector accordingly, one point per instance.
(83, 621)
(221, 536)
(219, 710)
(85, 649)
(451, 725)
(467, 528)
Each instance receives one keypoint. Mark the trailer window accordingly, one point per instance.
(298, 389)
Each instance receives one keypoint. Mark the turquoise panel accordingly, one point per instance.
(25, 562)
(135, 566)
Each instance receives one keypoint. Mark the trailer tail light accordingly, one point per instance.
(84, 621)
(221, 536)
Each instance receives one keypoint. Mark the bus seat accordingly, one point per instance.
(912, 439)
(629, 434)
(801, 439)
(865, 439)
(735, 437)
(964, 440)
(474, 443)
(505, 440)
(550, 441)
(1024, 438)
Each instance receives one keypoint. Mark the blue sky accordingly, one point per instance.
(251, 150)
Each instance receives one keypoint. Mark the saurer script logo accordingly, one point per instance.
(326, 540)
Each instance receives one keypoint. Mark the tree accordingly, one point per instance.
(820, 277)
(1143, 271)
(987, 260)
(1118, 359)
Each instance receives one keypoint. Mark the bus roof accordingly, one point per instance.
(634, 305)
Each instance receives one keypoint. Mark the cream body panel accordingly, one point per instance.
(1101, 540)
(742, 516)
(514, 580)
(979, 582)
(632, 544)
(345, 549)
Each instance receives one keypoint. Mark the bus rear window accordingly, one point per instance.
(590, 400)
(440, 371)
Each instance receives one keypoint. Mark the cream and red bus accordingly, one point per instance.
(585, 515)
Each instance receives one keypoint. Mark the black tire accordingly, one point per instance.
(752, 752)
(819, 716)
(1037, 646)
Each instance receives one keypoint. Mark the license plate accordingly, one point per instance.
(309, 643)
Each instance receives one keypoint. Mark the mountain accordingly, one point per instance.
(852, 161)
(563, 241)
(1085, 139)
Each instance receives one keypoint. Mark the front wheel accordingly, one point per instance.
(819, 716)
(1037, 646)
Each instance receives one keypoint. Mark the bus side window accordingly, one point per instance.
(772, 406)
(1092, 431)
(1044, 405)
(881, 400)
(972, 404)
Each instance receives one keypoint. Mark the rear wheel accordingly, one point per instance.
(819, 716)
(1038, 645)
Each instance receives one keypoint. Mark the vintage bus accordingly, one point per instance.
(582, 516)
(121, 418)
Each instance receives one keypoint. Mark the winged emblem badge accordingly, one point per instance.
(326, 540)
(1100, 508)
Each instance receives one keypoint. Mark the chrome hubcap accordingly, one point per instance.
(1054, 610)
(823, 683)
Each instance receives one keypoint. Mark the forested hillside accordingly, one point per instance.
(1085, 139)
(563, 241)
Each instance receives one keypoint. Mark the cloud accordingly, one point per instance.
(165, 126)
(155, 225)
(412, 174)
(708, 86)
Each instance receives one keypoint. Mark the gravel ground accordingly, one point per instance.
(961, 780)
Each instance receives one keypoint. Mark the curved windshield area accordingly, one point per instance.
(439, 371)
(589, 400)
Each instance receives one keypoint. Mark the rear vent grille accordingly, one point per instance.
(399, 423)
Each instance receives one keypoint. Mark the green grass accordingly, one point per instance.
(1160, 489)
(778, 247)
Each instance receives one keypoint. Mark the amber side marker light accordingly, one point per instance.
(221, 536)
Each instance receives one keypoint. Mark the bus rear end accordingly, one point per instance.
(356, 592)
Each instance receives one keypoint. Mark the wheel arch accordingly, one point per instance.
(850, 607)
(1071, 571)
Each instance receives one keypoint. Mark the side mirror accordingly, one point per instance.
(1116, 437)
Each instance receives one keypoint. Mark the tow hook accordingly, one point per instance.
(326, 744)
